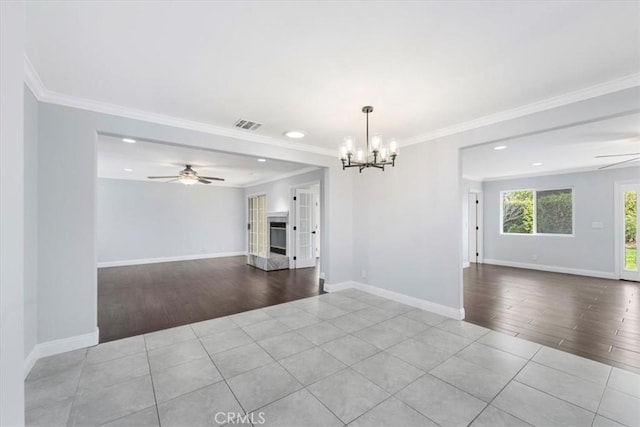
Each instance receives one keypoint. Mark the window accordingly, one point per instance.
(257, 225)
(537, 211)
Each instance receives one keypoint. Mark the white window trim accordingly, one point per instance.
(535, 212)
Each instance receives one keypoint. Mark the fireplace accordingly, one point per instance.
(275, 257)
(278, 237)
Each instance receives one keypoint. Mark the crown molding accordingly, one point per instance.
(605, 88)
(567, 171)
(33, 81)
(471, 178)
(283, 176)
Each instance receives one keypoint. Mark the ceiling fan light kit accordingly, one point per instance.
(188, 176)
(375, 154)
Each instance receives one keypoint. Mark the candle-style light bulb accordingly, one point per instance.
(360, 155)
(343, 152)
(375, 143)
(348, 143)
(393, 147)
(383, 154)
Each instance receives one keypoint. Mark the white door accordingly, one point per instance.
(628, 246)
(303, 227)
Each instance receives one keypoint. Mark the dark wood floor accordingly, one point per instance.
(594, 318)
(138, 299)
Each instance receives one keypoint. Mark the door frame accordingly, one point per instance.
(618, 223)
(291, 242)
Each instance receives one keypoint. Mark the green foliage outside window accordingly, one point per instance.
(517, 212)
(630, 216)
(630, 227)
(552, 214)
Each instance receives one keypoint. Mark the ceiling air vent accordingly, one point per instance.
(247, 124)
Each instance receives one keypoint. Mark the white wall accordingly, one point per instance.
(407, 233)
(467, 186)
(12, 25)
(30, 221)
(148, 220)
(590, 250)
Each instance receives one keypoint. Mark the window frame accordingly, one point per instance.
(535, 211)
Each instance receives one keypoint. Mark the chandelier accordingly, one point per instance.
(374, 156)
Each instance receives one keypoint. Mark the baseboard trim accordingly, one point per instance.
(552, 269)
(466, 264)
(49, 348)
(168, 259)
(433, 307)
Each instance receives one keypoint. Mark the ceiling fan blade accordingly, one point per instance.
(162, 177)
(203, 181)
(617, 155)
(619, 163)
(212, 178)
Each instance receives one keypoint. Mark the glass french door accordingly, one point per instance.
(304, 228)
(257, 215)
(629, 243)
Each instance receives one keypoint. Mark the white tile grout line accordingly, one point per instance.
(75, 393)
(304, 387)
(604, 390)
(221, 375)
(505, 386)
(153, 386)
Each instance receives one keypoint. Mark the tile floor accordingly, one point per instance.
(346, 358)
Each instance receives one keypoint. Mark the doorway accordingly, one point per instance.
(627, 231)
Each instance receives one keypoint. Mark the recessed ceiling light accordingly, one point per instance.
(262, 160)
(294, 134)
(129, 140)
(499, 147)
(536, 164)
(128, 170)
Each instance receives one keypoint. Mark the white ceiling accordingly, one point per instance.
(312, 65)
(571, 148)
(156, 159)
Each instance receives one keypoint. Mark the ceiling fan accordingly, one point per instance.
(636, 156)
(188, 176)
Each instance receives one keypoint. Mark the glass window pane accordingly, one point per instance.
(630, 231)
(517, 212)
(554, 210)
